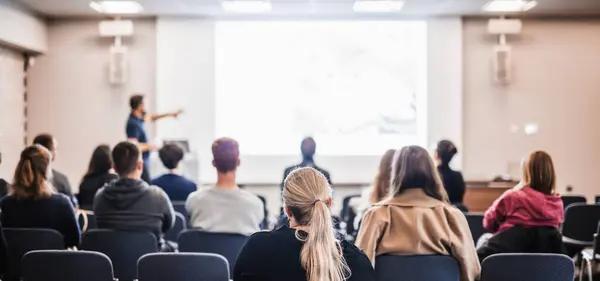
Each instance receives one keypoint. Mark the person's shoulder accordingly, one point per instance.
(251, 197)
(358, 262)
(60, 198)
(199, 194)
(58, 175)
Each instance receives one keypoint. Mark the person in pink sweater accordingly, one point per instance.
(526, 218)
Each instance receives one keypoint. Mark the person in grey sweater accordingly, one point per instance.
(129, 203)
(225, 207)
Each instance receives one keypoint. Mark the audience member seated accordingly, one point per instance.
(453, 180)
(376, 192)
(33, 202)
(307, 250)
(177, 187)
(225, 207)
(129, 203)
(99, 173)
(417, 219)
(58, 179)
(526, 218)
(3, 184)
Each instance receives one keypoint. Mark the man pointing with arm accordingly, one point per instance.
(137, 133)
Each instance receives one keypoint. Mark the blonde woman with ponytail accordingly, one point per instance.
(308, 249)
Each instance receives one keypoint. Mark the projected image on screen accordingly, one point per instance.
(356, 86)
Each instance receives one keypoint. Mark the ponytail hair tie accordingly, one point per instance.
(318, 200)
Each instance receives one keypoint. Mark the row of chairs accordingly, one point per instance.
(50, 265)
(123, 248)
(61, 265)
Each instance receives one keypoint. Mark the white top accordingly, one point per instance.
(225, 210)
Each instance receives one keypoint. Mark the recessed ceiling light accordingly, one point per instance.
(117, 7)
(377, 6)
(509, 6)
(246, 6)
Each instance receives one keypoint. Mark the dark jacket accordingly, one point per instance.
(133, 205)
(62, 185)
(453, 183)
(55, 212)
(90, 184)
(177, 187)
(519, 239)
(275, 256)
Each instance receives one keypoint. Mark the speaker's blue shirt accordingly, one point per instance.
(135, 130)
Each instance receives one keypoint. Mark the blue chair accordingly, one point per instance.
(225, 244)
(183, 267)
(568, 200)
(124, 248)
(20, 241)
(66, 266)
(180, 225)
(527, 267)
(475, 222)
(416, 268)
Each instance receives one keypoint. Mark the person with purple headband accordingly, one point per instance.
(225, 208)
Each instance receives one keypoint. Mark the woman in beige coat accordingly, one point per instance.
(416, 219)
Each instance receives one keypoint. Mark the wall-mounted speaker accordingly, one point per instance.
(118, 67)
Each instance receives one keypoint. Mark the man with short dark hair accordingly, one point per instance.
(225, 207)
(129, 203)
(136, 132)
(177, 187)
(57, 179)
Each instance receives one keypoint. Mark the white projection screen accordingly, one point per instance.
(359, 87)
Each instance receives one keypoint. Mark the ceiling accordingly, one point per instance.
(318, 8)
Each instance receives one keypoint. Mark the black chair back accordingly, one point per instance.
(344, 213)
(183, 267)
(580, 224)
(568, 200)
(224, 244)
(475, 222)
(124, 248)
(179, 206)
(87, 220)
(66, 266)
(20, 241)
(527, 267)
(416, 268)
(265, 223)
(179, 226)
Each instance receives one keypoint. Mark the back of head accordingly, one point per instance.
(307, 196)
(445, 151)
(383, 178)
(45, 140)
(226, 153)
(538, 172)
(135, 101)
(308, 147)
(126, 158)
(31, 173)
(101, 161)
(170, 155)
(413, 167)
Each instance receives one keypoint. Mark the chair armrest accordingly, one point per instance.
(572, 241)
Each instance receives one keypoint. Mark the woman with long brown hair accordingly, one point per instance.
(98, 174)
(377, 191)
(308, 249)
(417, 219)
(33, 202)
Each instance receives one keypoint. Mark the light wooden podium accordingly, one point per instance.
(480, 195)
